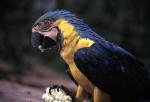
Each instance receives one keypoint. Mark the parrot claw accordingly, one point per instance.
(56, 93)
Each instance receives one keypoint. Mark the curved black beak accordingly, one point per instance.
(42, 43)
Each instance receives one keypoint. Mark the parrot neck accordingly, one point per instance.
(68, 37)
(71, 40)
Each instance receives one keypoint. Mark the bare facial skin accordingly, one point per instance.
(47, 29)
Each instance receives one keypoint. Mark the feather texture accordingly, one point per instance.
(122, 76)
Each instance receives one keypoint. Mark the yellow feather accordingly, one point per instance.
(73, 42)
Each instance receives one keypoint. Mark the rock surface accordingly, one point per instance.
(13, 92)
(30, 86)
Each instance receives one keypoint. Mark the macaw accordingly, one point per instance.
(101, 68)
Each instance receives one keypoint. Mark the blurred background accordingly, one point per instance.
(125, 22)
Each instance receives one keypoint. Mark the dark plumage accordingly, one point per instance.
(114, 71)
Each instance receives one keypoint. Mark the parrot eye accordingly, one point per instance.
(45, 26)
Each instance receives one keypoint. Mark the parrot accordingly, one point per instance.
(103, 69)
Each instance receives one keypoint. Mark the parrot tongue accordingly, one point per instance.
(47, 44)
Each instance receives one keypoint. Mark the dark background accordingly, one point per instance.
(125, 22)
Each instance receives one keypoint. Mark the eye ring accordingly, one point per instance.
(46, 30)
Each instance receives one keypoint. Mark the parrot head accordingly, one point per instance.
(44, 33)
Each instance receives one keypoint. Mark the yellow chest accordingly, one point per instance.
(71, 43)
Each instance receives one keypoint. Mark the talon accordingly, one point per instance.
(58, 89)
(56, 94)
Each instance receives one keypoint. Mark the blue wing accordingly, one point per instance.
(112, 69)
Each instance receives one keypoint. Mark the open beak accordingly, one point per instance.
(42, 43)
